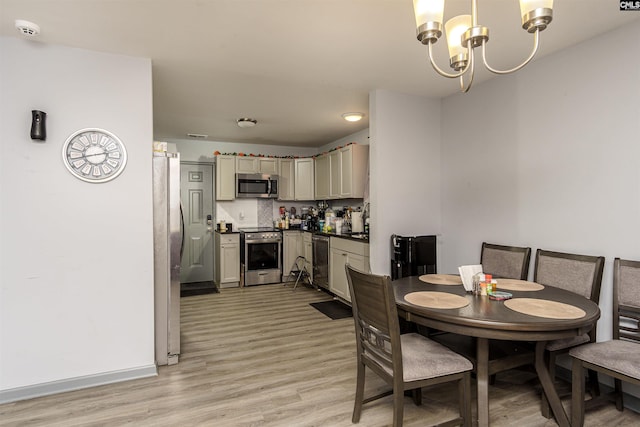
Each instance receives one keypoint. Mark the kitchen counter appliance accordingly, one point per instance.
(320, 246)
(260, 186)
(261, 255)
(412, 256)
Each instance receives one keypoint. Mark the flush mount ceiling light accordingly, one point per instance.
(464, 34)
(353, 117)
(27, 28)
(245, 122)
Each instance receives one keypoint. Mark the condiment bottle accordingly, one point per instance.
(494, 286)
(487, 279)
(477, 279)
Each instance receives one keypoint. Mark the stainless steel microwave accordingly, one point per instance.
(256, 186)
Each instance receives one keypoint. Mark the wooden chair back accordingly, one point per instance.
(376, 318)
(626, 300)
(507, 262)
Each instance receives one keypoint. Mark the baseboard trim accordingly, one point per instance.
(77, 383)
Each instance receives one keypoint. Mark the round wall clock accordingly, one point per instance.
(94, 155)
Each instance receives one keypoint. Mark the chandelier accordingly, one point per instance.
(464, 34)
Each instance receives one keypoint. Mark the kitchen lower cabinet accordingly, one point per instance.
(307, 250)
(227, 260)
(342, 252)
(291, 249)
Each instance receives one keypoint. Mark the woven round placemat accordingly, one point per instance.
(436, 299)
(441, 279)
(544, 308)
(518, 285)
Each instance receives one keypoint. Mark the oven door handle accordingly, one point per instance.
(263, 241)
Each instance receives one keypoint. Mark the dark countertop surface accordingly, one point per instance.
(360, 237)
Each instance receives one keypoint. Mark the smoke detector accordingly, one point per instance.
(27, 28)
(246, 122)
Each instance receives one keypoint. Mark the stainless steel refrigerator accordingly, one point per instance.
(167, 243)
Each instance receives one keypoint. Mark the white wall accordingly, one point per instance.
(76, 272)
(404, 157)
(548, 158)
(360, 137)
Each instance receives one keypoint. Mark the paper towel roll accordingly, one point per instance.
(356, 222)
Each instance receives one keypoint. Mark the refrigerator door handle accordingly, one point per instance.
(181, 230)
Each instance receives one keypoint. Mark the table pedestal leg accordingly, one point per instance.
(482, 376)
(549, 388)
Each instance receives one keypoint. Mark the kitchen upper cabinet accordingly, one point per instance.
(353, 163)
(304, 179)
(342, 252)
(268, 165)
(246, 164)
(286, 180)
(322, 178)
(342, 174)
(335, 172)
(251, 164)
(227, 261)
(225, 177)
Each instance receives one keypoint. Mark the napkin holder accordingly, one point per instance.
(466, 274)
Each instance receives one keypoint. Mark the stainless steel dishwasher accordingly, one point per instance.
(320, 260)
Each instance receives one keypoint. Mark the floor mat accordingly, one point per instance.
(333, 309)
(197, 288)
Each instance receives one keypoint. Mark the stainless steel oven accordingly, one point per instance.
(261, 255)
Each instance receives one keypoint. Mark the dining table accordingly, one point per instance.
(534, 314)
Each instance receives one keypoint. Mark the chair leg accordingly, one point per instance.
(398, 406)
(357, 407)
(464, 394)
(416, 395)
(594, 385)
(545, 409)
(619, 395)
(577, 393)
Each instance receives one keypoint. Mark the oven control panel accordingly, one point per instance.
(263, 236)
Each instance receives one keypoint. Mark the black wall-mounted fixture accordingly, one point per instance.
(38, 126)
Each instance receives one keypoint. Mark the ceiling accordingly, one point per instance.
(293, 65)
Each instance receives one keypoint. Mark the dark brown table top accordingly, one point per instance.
(488, 318)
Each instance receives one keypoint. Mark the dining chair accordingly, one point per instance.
(507, 262)
(618, 358)
(406, 362)
(580, 274)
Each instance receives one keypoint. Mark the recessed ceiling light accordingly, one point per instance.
(197, 135)
(246, 122)
(353, 117)
(27, 28)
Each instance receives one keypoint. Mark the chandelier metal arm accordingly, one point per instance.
(536, 44)
(472, 73)
(444, 73)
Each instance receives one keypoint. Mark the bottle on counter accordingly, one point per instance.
(488, 278)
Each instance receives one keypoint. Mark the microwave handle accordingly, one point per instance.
(269, 186)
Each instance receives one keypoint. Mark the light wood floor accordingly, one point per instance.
(261, 356)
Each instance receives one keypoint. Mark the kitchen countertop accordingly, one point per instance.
(360, 237)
